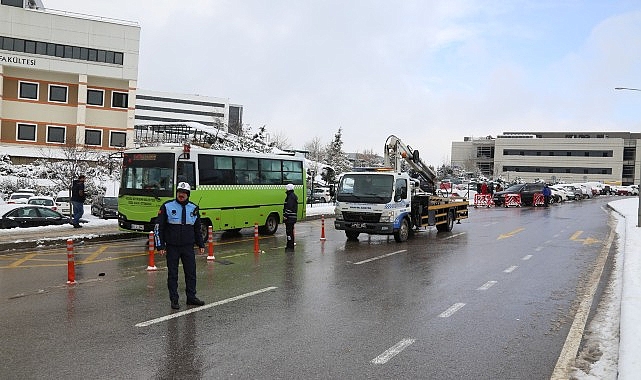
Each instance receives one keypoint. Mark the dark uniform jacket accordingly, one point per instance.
(178, 224)
(290, 208)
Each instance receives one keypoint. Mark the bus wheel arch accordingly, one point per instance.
(205, 223)
(271, 224)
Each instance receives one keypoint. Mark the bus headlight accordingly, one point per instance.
(387, 216)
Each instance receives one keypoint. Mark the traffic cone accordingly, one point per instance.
(322, 227)
(256, 248)
(152, 248)
(71, 264)
(210, 241)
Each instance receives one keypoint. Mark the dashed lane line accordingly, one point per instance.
(526, 257)
(204, 307)
(379, 257)
(487, 285)
(392, 351)
(451, 310)
(511, 269)
(453, 236)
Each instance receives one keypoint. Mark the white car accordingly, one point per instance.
(19, 197)
(42, 200)
(63, 202)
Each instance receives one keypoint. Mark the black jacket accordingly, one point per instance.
(178, 224)
(290, 207)
(78, 191)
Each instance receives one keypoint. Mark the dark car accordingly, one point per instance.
(21, 215)
(527, 191)
(105, 207)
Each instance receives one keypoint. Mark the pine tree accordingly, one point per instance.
(335, 157)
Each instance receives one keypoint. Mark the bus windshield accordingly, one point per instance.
(367, 188)
(148, 174)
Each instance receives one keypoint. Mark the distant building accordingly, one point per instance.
(66, 79)
(154, 107)
(611, 157)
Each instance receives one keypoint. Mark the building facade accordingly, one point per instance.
(65, 80)
(609, 157)
(162, 107)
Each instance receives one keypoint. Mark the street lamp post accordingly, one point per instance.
(637, 152)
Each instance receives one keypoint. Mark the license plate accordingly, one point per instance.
(137, 227)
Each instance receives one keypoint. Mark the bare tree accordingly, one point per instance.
(280, 141)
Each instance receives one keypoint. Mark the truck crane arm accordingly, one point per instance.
(396, 151)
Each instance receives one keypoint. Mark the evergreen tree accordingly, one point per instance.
(335, 157)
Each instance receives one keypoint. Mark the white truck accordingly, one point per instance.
(394, 200)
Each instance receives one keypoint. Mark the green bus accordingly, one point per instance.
(233, 189)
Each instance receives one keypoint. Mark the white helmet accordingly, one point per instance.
(183, 186)
(289, 187)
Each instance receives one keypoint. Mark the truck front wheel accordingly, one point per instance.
(352, 235)
(403, 232)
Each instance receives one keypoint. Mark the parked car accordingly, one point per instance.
(105, 207)
(321, 194)
(527, 191)
(23, 215)
(63, 202)
(19, 197)
(42, 200)
(626, 190)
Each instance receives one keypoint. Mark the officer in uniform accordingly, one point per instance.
(178, 229)
(290, 213)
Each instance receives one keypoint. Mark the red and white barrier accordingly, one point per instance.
(512, 200)
(483, 200)
(538, 200)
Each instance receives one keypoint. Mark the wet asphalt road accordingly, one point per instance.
(493, 299)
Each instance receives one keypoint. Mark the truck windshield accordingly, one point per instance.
(148, 174)
(365, 188)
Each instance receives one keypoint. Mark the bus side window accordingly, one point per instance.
(187, 173)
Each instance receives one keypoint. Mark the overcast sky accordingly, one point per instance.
(430, 72)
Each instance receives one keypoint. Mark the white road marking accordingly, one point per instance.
(526, 257)
(538, 249)
(392, 351)
(510, 269)
(453, 309)
(453, 236)
(487, 285)
(379, 257)
(207, 306)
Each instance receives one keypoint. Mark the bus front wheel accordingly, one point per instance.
(204, 227)
(271, 225)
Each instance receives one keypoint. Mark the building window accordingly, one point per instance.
(95, 97)
(28, 90)
(57, 93)
(93, 137)
(119, 99)
(59, 50)
(13, 3)
(26, 132)
(118, 139)
(56, 134)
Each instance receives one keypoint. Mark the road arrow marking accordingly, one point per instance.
(587, 241)
(510, 234)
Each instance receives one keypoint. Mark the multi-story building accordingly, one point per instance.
(163, 107)
(65, 79)
(554, 156)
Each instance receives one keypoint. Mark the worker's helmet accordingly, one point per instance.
(289, 187)
(184, 187)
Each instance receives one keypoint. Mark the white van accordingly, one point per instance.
(63, 202)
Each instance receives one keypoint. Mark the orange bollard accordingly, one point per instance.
(71, 264)
(152, 263)
(322, 227)
(256, 248)
(210, 241)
